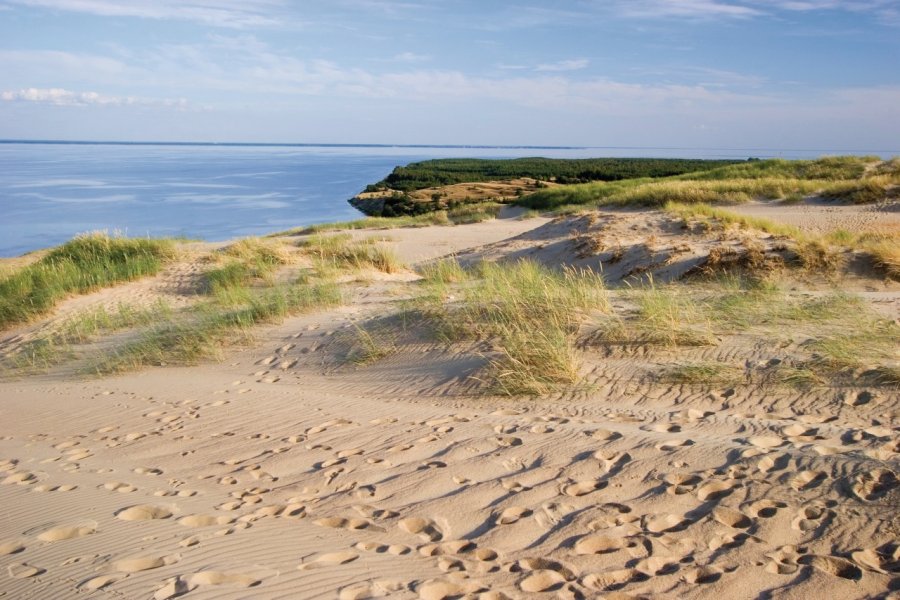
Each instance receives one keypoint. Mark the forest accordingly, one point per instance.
(448, 171)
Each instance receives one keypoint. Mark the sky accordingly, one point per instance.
(794, 74)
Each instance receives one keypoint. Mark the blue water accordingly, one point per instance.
(51, 192)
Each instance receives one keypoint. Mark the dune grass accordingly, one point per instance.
(207, 330)
(528, 313)
(339, 252)
(84, 264)
(814, 252)
(846, 178)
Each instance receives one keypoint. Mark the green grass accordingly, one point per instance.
(206, 331)
(86, 325)
(84, 264)
(665, 315)
(528, 313)
(338, 252)
(369, 346)
(840, 178)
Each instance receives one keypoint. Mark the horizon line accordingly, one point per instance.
(388, 145)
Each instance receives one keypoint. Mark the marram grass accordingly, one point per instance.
(84, 264)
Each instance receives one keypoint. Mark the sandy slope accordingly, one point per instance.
(282, 473)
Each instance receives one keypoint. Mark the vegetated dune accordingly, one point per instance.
(731, 434)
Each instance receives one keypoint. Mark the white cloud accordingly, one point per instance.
(564, 65)
(63, 97)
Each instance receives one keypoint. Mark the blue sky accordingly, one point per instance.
(795, 74)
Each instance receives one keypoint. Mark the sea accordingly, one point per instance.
(52, 191)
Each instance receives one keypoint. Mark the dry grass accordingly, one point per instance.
(528, 313)
(339, 252)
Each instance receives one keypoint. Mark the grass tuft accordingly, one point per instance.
(339, 251)
(528, 313)
(84, 264)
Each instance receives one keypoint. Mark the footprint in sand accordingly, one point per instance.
(612, 460)
(764, 508)
(604, 435)
(205, 520)
(101, 581)
(54, 488)
(375, 589)
(611, 580)
(773, 462)
(871, 559)
(714, 490)
(440, 589)
(731, 518)
(832, 565)
(58, 534)
(342, 523)
(507, 441)
(13, 547)
(178, 586)
(144, 512)
(20, 478)
(664, 522)
(582, 488)
(513, 514)
(24, 571)
(330, 559)
(812, 517)
(703, 574)
(805, 480)
(143, 563)
(118, 486)
(424, 528)
(783, 561)
(600, 544)
(766, 441)
(670, 445)
(681, 483)
(874, 484)
(147, 471)
(373, 512)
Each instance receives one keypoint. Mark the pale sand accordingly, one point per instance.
(280, 473)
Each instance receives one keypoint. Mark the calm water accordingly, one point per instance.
(51, 192)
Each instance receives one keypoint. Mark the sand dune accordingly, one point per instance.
(283, 473)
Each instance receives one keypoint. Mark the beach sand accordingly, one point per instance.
(281, 472)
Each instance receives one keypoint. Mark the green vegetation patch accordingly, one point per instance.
(84, 264)
(448, 171)
(528, 313)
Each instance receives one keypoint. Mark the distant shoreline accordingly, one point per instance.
(824, 151)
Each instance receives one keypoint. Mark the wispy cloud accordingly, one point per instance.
(694, 9)
(63, 97)
(564, 65)
(219, 13)
(887, 10)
